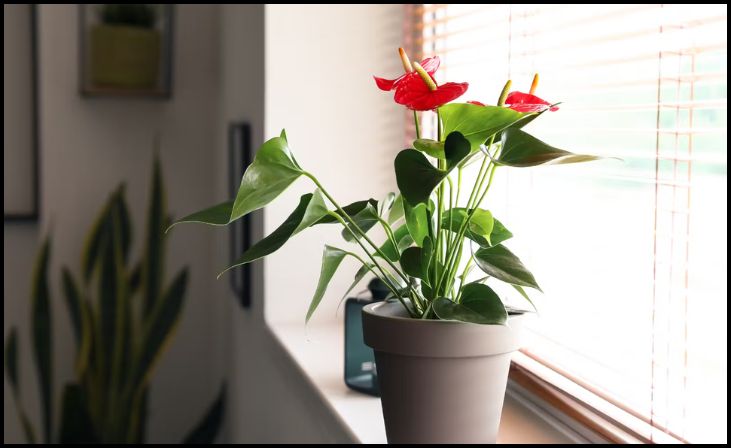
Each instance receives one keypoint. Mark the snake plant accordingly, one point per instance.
(123, 317)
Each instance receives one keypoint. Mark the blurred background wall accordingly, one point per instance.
(263, 64)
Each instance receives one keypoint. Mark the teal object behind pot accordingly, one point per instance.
(360, 361)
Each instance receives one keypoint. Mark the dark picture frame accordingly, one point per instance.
(162, 88)
(31, 213)
(241, 232)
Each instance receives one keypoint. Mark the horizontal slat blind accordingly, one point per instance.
(632, 253)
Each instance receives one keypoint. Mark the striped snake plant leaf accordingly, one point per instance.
(153, 265)
(41, 331)
(207, 429)
(159, 329)
(94, 241)
(11, 367)
(76, 424)
(73, 303)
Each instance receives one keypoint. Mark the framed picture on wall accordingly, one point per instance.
(20, 120)
(126, 50)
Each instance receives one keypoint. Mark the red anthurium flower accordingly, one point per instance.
(430, 65)
(526, 102)
(476, 103)
(414, 92)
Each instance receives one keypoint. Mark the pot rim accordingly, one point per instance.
(394, 333)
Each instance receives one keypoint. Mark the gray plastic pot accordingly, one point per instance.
(440, 381)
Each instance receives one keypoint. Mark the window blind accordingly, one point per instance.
(631, 253)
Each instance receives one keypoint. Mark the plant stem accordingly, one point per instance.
(417, 125)
(385, 278)
(462, 277)
(389, 232)
(355, 226)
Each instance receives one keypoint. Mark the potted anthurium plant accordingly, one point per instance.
(442, 341)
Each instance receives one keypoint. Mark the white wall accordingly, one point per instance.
(339, 125)
(331, 123)
(89, 146)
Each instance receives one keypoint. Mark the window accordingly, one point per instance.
(631, 253)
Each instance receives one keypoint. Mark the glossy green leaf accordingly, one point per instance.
(479, 305)
(153, 266)
(350, 209)
(73, 303)
(403, 240)
(416, 176)
(364, 219)
(385, 205)
(331, 259)
(76, 424)
(207, 429)
(502, 264)
(430, 147)
(477, 123)
(271, 172)
(481, 225)
(456, 148)
(365, 269)
(525, 296)
(520, 149)
(499, 233)
(218, 215)
(160, 329)
(412, 263)
(310, 209)
(42, 332)
(417, 222)
(397, 210)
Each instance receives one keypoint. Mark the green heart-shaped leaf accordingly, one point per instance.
(366, 268)
(499, 233)
(403, 240)
(522, 292)
(417, 221)
(481, 223)
(412, 262)
(416, 176)
(520, 149)
(310, 209)
(477, 228)
(350, 209)
(430, 147)
(477, 123)
(218, 215)
(502, 264)
(456, 148)
(385, 205)
(364, 219)
(397, 210)
(331, 259)
(479, 305)
(271, 172)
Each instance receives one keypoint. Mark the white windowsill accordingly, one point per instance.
(318, 352)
